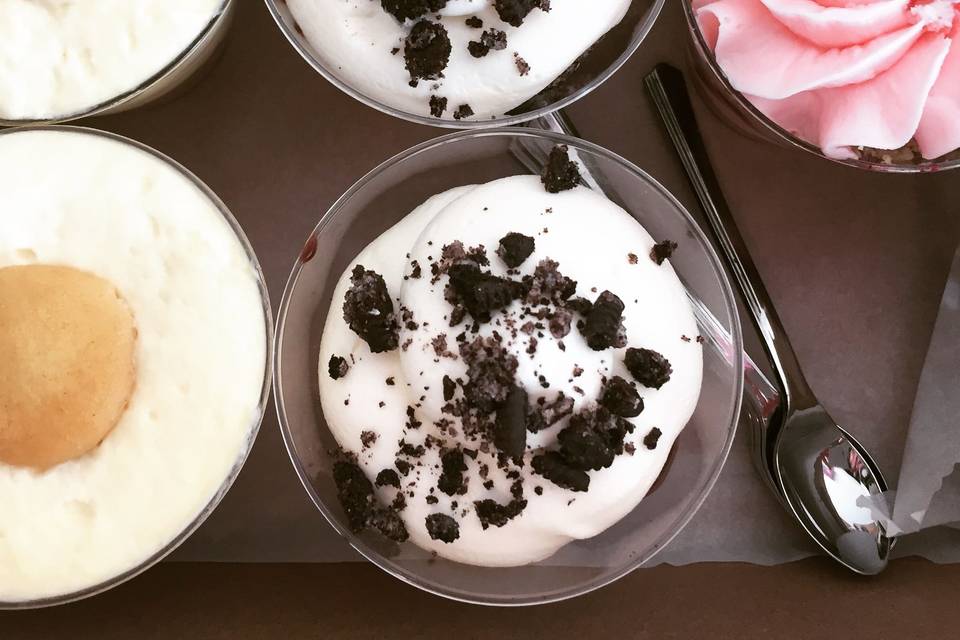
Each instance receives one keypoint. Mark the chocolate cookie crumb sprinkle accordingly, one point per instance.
(388, 478)
(490, 40)
(603, 327)
(337, 367)
(620, 398)
(523, 67)
(368, 439)
(648, 367)
(363, 511)
(514, 12)
(662, 251)
(427, 50)
(411, 9)
(437, 106)
(510, 427)
(515, 248)
(463, 111)
(561, 173)
(368, 310)
(651, 439)
(493, 514)
(474, 22)
(442, 527)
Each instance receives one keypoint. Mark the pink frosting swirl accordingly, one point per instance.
(844, 74)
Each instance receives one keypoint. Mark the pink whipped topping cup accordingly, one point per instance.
(873, 84)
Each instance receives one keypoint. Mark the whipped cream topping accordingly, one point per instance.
(373, 401)
(61, 57)
(363, 45)
(845, 74)
(103, 207)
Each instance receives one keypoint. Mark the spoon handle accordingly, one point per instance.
(669, 92)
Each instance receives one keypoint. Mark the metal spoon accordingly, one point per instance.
(819, 469)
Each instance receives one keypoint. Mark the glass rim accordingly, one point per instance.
(730, 305)
(265, 390)
(651, 19)
(771, 127)
(130, 94)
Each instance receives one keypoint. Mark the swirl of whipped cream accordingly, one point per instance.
(398, 396)
(845, 74)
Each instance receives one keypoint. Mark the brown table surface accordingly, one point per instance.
(855, 261)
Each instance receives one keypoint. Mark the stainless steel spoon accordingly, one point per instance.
(818, 468)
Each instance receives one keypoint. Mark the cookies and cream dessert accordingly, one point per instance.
(453, 59)
(872, 80)
(62, 57)
(506, 369)
(133, 344)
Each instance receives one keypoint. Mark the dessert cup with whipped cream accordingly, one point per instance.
(62, 60)
(490, 377)
(466, 63)
(874, 85)
(136, 337)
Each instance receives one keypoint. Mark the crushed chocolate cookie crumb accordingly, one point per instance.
(437, 106)
(402, 466)
(620, 398)
(474, 22)
(700, 340)
(479, 292)
(439, 344)
(543, 414)
(510, 427)
(363, 511)
(513, 12)
(427, 50)
(442, 527)
(337, 367)
(492, 513)
(368, 439)
(490, 370)
(390, 381)
(603, 327)
(452, 481)
(593, 439)
(632, 258)
(560, 323)
(651, 439)
(685, 338)
(411, 9)
(547, 285)
(368, 310)
(648, 367)
(412, 422)
(538, 490)
(662, 251)
(523, 67)
(554, 468)
(515, 248)
(449, 388)
(409, 450)
(629, 448)
(388, 478)
(561, 173)
(432, 499)
(463, 111)
(490, 40)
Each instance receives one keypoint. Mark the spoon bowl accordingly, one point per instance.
(823, 473)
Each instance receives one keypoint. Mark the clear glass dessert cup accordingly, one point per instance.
(175, 77)
(264, 395)
(381, 199)
(590, 71)
(735, 109)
